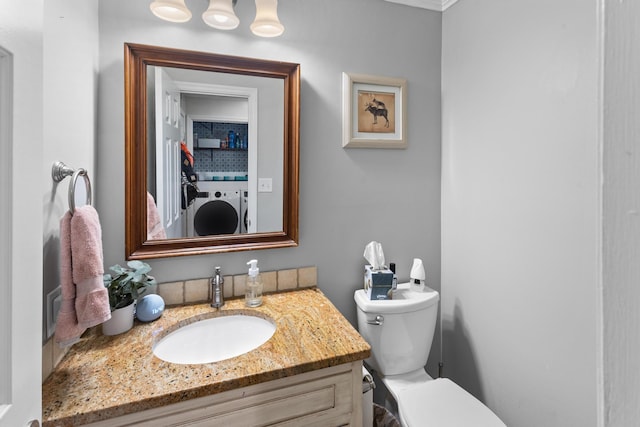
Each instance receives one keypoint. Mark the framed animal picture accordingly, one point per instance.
(373, 111)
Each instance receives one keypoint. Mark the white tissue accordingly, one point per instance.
(417, 270)
(374, 254)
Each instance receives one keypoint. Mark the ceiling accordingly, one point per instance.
(437, 5)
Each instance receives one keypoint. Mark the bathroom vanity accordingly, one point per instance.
(308, 373)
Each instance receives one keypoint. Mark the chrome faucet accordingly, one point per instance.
(217, 289)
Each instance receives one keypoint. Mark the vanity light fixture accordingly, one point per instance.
(220, 15)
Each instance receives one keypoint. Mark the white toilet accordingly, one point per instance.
(400, 332)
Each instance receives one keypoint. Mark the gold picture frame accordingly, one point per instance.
(373, 111)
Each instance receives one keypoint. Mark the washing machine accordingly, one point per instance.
(244, 211)
(216, 211)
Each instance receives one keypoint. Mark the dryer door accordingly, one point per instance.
(215, 217)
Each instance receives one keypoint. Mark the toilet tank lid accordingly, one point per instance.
(404, 300)
(444, 404)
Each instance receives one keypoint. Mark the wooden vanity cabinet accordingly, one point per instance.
(323, 398)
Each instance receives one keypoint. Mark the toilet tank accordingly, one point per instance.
(399, 331)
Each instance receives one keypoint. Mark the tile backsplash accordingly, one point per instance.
(219, 160)
(194, 291)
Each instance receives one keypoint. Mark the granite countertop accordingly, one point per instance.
(103, 377)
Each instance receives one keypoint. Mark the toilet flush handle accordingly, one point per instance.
(379, 320)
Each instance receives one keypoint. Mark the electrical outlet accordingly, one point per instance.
(265, 185)
(54, 301)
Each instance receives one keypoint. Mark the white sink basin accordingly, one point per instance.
(215, 339)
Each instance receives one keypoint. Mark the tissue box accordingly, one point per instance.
(378, 283)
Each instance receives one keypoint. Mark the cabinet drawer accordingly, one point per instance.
(323, 398)
(269, 409)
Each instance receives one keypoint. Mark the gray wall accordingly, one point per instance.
(347, 197)
(521, 207)
(621, 345)
(70, 66)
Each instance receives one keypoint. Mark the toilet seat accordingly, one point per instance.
(444, 404)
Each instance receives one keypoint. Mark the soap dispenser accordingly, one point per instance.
(417, 275)
(253, 288)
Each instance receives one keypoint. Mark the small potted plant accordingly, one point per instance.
(124, 286)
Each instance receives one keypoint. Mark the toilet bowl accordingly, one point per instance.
(400, 332)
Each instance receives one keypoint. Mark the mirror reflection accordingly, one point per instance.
(223, 135)
(211, 152)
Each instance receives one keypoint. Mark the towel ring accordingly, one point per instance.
(60, 171)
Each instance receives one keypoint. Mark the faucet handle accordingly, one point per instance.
(217, 294)
(218, 279)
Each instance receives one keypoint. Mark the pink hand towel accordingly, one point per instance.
(85, 301)
(155, 230)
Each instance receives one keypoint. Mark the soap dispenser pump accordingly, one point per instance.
(253, 288)
(417, 275)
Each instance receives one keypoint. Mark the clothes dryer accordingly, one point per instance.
(217, 211)
(244, 211)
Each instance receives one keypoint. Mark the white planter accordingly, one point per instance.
(121, 321)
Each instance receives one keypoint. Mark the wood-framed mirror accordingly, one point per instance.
(273, 191)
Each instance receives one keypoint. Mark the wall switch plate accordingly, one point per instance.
(265, 185)
(54, 301)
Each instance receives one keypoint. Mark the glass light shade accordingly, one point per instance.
(171, 10)
(267, 23)
(221, 15)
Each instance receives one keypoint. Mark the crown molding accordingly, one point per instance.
(437, 5)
